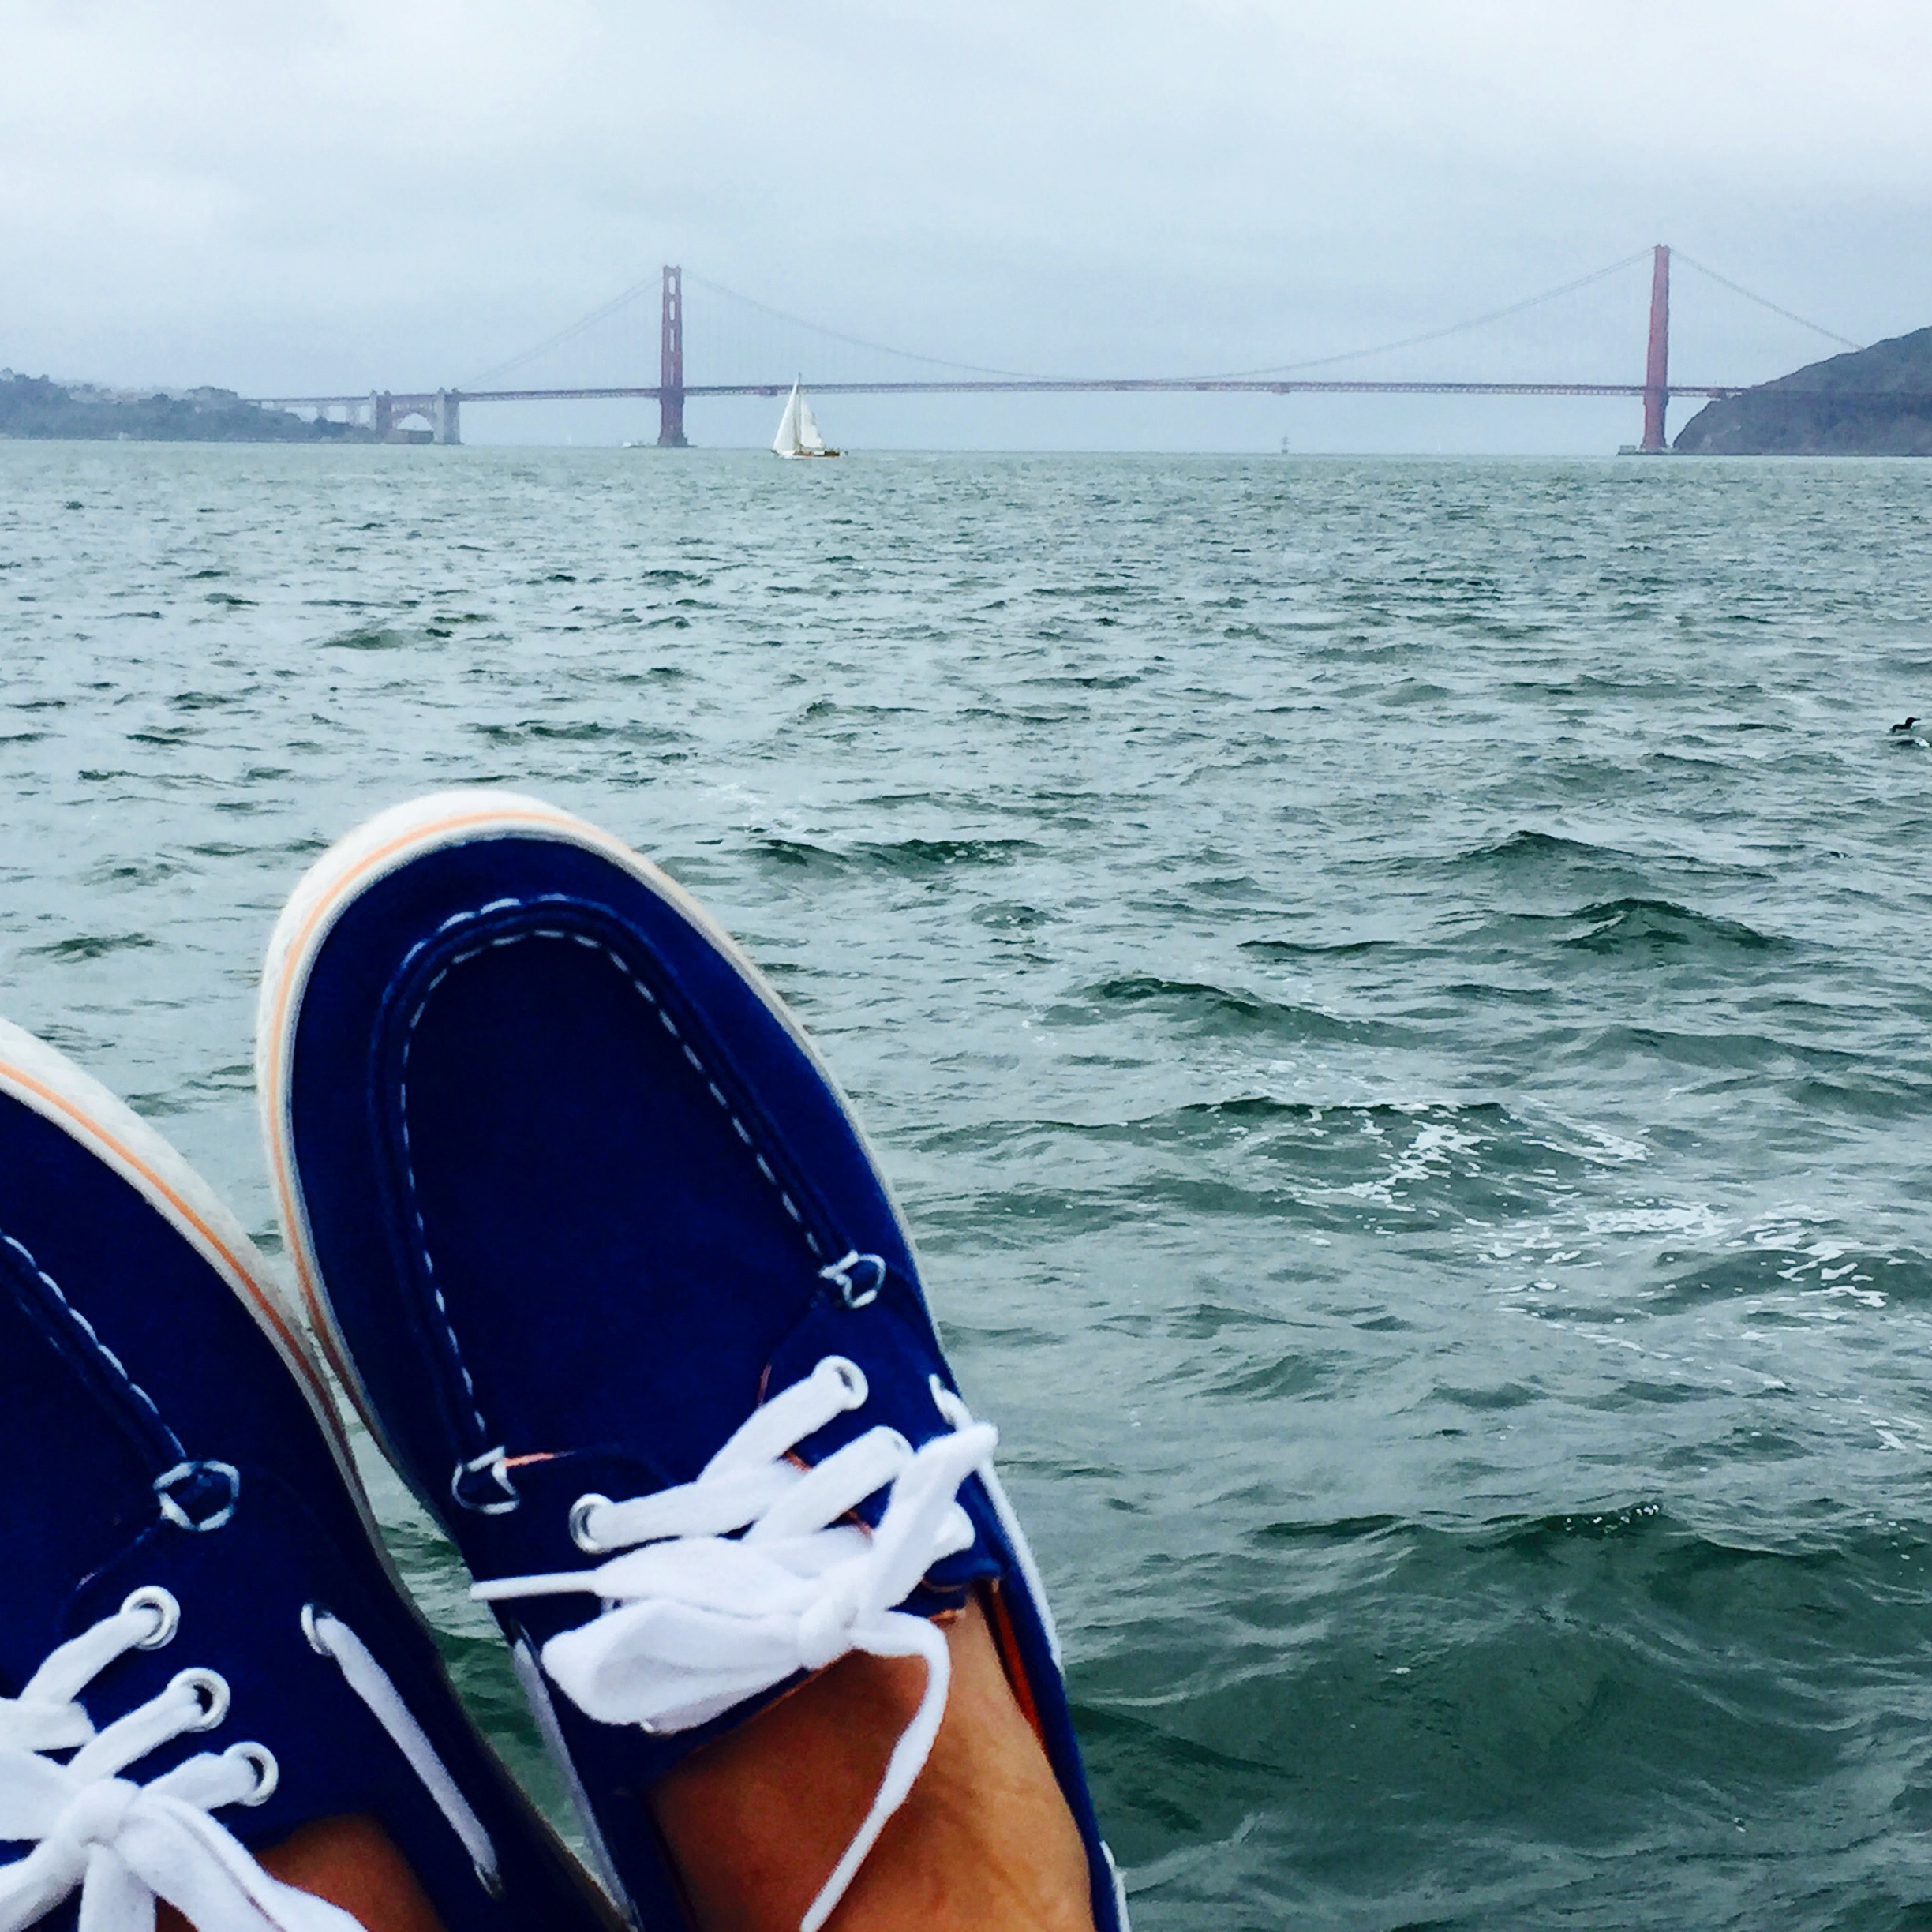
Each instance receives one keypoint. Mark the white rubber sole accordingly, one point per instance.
(380, 846)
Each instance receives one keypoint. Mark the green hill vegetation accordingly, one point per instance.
(1875, 402)
(34, 406)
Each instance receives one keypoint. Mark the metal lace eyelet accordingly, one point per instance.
(267, 1773)
(211, 1691)
(311, 1628)
(851, 1378)
(580, 1523)
(467, 1494)
(194, 1479)
(953, 1410)
(858, 1277)
(168, 1614)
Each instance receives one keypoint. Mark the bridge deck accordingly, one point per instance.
(411, 401)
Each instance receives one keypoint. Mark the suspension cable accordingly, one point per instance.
(859, 342)
(1454, 328)
(617, 302)
(1817, 328)
(563, 335)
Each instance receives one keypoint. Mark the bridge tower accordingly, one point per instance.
(1657, 363)
(671, 363)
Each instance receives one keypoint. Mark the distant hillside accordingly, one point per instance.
(31, 405)
(1875, 402)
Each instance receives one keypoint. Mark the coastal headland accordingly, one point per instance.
(1875, 402)
(35, 407)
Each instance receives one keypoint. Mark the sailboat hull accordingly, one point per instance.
(804, 455)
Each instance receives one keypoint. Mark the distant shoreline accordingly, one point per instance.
(35, 408)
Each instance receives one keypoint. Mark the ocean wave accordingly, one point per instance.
(1529, 850)
(1332, 948)
(1532, 856)
(82, 947)
(1203, 1009)
(1644, 929)
(1735, 1050)
(576, 731)
(909, 857)
(375, 637)
(1783, 1274)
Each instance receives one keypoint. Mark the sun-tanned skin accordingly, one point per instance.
(352, 1863)
(757, 1819)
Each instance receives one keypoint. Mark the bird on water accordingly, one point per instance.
(1899, 731)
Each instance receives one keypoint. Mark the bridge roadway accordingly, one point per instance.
(384, 408)
(403, 404)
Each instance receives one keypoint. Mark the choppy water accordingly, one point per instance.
(1395, 993)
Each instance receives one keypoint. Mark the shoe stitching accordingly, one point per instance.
(664, 1018)
(100, 1348)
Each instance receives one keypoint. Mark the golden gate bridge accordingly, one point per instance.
(387, 411)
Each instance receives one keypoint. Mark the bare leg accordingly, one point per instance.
(757, 1820)
(352, 1863)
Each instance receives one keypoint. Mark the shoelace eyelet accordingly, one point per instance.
(482, 1486)
(168, 1614)
(267, 1773)
(851, 1378)
(580, 1523)
(211, 1488)
(210, 1690)
(858, 1277)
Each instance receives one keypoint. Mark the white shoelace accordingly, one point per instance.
(125, 1845)
(703, 1618)
(376, 1688)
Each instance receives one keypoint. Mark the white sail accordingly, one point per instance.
(798, 428)
(809, 440)
(787, 442)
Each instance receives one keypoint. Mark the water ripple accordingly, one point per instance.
(1394, 993)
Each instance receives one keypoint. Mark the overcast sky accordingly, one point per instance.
(277, 196)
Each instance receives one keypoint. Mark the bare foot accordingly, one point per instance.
(757, 1819)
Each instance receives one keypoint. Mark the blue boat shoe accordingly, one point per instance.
(202, 1647)
(594, 1242)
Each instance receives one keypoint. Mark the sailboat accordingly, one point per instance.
(798, 428)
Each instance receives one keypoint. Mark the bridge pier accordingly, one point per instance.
(447, 421)
(1657, 362)
(671, 363)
